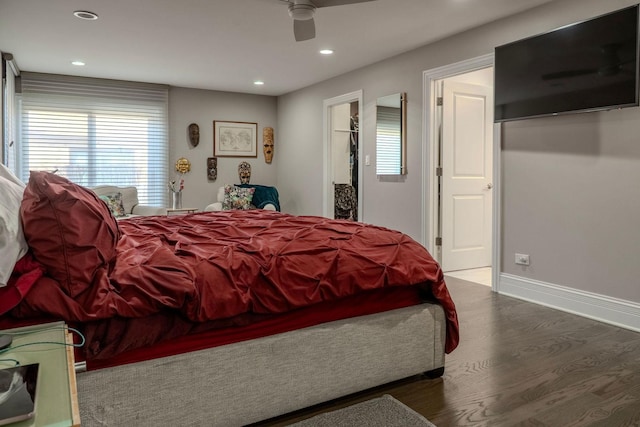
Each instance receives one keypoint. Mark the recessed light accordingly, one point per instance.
(326, 51)
(78, 63)
(258, 83)
(86, 15)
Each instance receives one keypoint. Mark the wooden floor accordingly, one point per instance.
(521, 364)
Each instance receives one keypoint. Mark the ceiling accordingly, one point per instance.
(228, 44)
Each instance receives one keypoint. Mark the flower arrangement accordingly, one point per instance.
(177, 185)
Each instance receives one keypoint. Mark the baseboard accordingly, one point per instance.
(618, 312)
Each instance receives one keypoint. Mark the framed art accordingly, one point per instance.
(235, 139)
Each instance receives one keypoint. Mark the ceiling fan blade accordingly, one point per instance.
(327, 3)
(304, 30)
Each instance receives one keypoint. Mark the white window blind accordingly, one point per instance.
(388, 145)
(96, 132)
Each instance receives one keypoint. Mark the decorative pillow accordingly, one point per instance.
(69, 229)
(237, 198)
(114, 203)
(13, 245)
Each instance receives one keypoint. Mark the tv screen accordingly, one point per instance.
(587, 66)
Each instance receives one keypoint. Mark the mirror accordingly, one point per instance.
(391, 135)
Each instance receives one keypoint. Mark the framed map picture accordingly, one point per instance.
(235, 139)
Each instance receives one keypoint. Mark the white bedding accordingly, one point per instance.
(13, 245)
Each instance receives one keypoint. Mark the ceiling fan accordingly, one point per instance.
(302, 12)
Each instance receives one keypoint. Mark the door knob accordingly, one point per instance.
(489, 186)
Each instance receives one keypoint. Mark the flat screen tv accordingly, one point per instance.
(587, 66)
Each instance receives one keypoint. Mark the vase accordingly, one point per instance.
(176, 200)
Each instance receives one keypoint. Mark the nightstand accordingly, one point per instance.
(56, 395)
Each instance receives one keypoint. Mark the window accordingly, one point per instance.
(96, 132)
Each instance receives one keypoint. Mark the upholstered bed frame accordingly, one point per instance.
(250, 381)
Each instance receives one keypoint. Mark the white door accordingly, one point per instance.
(467, 135)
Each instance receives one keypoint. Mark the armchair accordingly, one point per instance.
(264, 197)
(129, 200)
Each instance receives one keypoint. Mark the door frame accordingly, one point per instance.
(430, 134)
(347, 98)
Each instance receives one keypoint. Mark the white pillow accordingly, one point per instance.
(13, 245)
(6, 173)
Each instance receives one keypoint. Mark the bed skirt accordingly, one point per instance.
(250, 381)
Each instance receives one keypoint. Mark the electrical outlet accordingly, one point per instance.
(367, 160)
(522, 259)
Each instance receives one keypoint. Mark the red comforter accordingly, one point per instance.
(218, 265)
(212, 265)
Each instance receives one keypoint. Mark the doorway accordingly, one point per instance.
(461, 169)
(342, 195)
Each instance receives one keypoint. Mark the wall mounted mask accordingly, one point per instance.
(267, 144)
(183, 165)
(244, 172)
(212, 168)
(194, 134)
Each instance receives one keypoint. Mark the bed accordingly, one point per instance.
(224, 318)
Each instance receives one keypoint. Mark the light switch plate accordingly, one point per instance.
(522, 259)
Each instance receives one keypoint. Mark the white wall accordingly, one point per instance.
(571, 190)
(569, 186)
(203, 107)
(483, 77)
(300, 171)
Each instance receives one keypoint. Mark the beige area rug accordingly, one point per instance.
(383, 411)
